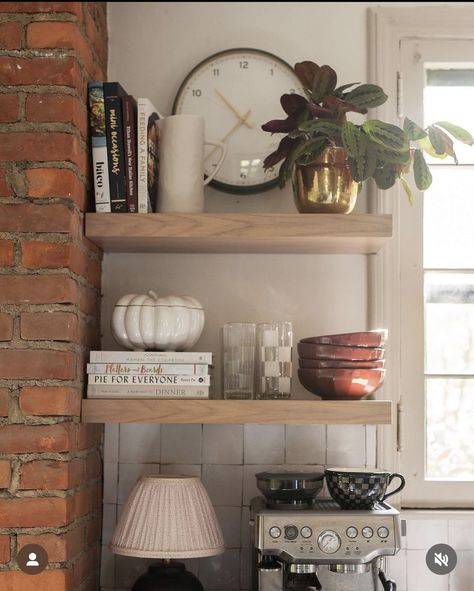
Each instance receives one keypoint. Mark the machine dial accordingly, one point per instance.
(383, 532)
(275, 532)
(291, 532)
(306, 532)
(329, 542)
(367, 532)
(351, 532)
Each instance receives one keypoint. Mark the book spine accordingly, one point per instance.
(142, 158)
(129, 112)
(198, 369)
(100, 166)
(100, 391)
(146, 380)
(113, 120)
(150, 357)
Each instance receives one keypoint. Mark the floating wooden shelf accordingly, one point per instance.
(244, 233)
(291, 412)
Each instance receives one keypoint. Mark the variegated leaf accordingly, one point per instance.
(353, 140)
(366, 95)
(414, 132)
(385, 176)
(387, 135)
(421, 171)
(457, 132)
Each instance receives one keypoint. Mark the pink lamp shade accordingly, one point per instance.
(168, 517)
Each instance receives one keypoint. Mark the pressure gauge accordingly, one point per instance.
(329, 542)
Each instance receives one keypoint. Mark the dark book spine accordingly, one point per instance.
(115, 148)
(129, 108)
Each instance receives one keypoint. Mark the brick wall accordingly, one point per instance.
(50, 467)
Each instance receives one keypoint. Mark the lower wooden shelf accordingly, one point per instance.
(291, 412)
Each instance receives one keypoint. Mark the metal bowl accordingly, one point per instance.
(289, 486)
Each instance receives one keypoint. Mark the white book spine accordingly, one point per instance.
(96, 391)
(198, 369)
(147, 380)
(101, 178)
(150, 357)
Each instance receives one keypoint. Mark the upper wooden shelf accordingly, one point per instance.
(291, 412)
(239, 233)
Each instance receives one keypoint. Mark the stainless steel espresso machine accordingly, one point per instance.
(307, 544)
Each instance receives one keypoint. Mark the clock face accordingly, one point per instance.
(236, 91)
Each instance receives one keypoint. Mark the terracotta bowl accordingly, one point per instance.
(371, 338)
(312, 351)
(339, 363)
(341, 384)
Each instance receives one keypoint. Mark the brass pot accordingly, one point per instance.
(327, 185)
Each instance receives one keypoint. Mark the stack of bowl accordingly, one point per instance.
(347, 366)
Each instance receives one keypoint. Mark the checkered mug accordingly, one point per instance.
(359, 488)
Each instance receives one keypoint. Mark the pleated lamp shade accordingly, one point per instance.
(168, 517)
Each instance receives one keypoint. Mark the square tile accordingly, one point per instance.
(461, 579)
(128, 476)
(305, 444)
(109, 519)
(346, 445)
(181, 444)
(111, 442)
(461, 533)
(223, 483)
(420, 577)
(424, 533)
(230, 522)
(222, 444)
(370, 446)
(245, 568)
(107, 567)
(397, 569)
(245, 528)
(264, 444)
(181, 469)
(110, 482)
(140, 442)
(221, 572)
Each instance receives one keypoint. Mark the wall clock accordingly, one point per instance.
(236, 91)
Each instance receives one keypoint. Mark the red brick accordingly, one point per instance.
(7, 253)
(52, 35)
(5, 473)
(20, 71)
(89, 300)
(56, 182)
(60, 547)
(50, 401)
(48, 326)
(85, 266)
(53, 580)
(45, 255)
(4, 402)
(38, 289)
(41, 147)
(38, 438)
(6, 327)
(89, 435)
(8, 104)
(31, 7)
(52, 475)
(30, 217)
(47, 364)
(97, 38)
(4, 188)
(10, 34)
(35, 512)
(4, 549)
(61, 108)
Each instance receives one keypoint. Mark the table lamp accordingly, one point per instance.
(168, 517)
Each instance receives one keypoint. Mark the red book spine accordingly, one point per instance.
(129, 111)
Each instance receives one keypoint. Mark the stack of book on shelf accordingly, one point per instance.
(149, 374)
(124, 143)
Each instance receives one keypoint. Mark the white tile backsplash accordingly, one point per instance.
(181, 444)
(461, 533)
(397, 570)
(110, 482)
(461, 579)
(230, 519)
(111, 442)
(128, 476)
(222, 444)
(420, 577)
(221, 572)
(264, 444)
(140, 442)
(424, 533)
(223, 483)
(346, 445)
(182, 469)
(305, 444)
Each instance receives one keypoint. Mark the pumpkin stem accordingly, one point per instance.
(152, 294)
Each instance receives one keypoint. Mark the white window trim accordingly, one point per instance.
(387, 27)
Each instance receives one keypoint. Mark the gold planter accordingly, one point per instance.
(325, 186)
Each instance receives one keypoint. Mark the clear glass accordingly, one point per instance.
(239, 360)
(274, 365)
(448, 210)
(450, 419)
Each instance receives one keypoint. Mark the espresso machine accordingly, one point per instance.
(308, 544)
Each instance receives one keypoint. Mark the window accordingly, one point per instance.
(433, 259)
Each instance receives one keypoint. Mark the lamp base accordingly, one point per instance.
(168, 576)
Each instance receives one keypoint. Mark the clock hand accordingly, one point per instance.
(230, 132)
(241, 117)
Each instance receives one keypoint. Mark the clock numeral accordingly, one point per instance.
(215, 72)
(197, 92)
(244, 65)
(243, 175)
(271, 71)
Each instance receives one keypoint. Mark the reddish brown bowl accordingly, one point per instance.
(339, 363)
(341, 384)
(370, 338)
(312, 351)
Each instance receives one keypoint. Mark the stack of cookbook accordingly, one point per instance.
(149, 374)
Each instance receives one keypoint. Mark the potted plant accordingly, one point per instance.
(329, 157)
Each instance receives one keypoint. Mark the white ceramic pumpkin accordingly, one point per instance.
(147, 322)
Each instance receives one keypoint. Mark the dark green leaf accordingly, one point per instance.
(324, 83)
(363, 166)
(387, 135)
(309, 150)
(340, 89)
(421, 171)
(319, 126)
(457, 132)
(413, 131)
(385, 176)
(437, 139)
(353, 139)
(385, 155)
(366, 95)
